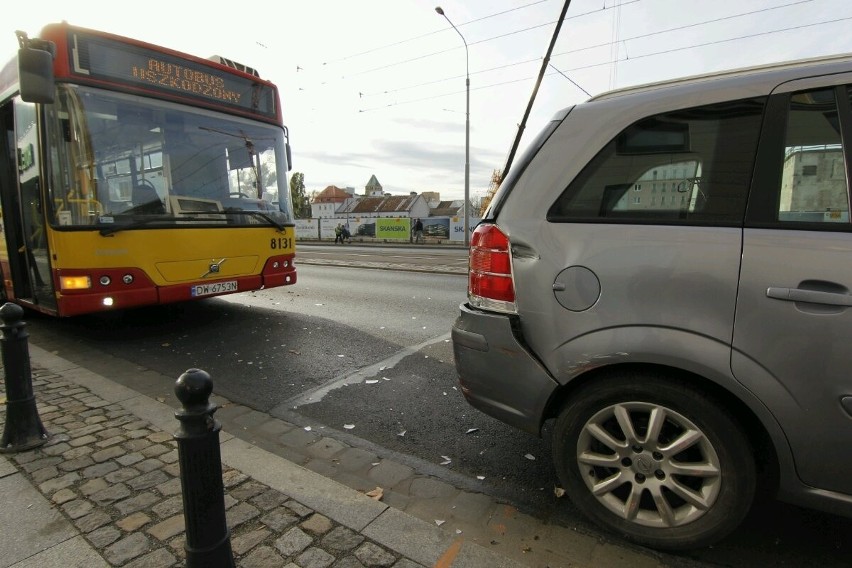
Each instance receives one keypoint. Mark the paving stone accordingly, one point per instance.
(77, 508)
(136, 503)
(44, 474)
(349, 562)
(107, 454)
(240, 514)
(160, 558)
(245, 542)
(232, 478)
(127, 548)
(63, 496)
(326, 448)
(103, 536)
(262, 557)
(133, 522)
(93, 486)
(167, 529)
(82, 441)
(341, 539)
(314, 558)
(122, 475)
(130, 459)
(99, 470)
(431, 488)
(169, 507)
(92, 521)
(374, 555)
(148, 465)
(148, 480)
(317, 524)
(155, 450)
(292, 542)
(279, 519)
(56, 449)
(247, 490)
(111, 495)
(388, 474)
(406, 563)
(298, 508)
(75, 464)
(170, 487)
(269, 499)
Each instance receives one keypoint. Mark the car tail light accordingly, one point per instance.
(490, 284)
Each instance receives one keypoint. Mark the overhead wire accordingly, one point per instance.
(577, 50)
(602, 64)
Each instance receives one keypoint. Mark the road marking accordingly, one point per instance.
(318, 393)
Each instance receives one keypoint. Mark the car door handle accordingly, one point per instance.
(809, 296)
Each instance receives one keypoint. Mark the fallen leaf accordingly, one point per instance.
(471, 430)
(307, 428)
(480, 477)
(439, 522)
(349, 426)
(558, 491)
(530, 457)
(402, 433)
(376, 493)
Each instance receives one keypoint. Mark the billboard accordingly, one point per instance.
(393, 228)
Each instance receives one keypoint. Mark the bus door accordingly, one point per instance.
(26, 272)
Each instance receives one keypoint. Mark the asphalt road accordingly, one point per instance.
(365, 354)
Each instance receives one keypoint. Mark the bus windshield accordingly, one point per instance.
(123, 161)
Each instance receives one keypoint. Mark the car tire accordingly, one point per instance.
(683, 478)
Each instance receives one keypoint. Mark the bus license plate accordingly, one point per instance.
(214, 288)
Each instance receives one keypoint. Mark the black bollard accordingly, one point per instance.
(208, 540)
(23, 430)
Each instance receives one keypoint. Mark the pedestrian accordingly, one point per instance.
(346, 236)
(338, 234)
(418, 231)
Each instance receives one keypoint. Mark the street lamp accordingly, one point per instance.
(466, 133)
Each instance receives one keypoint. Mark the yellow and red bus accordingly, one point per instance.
(133, 175)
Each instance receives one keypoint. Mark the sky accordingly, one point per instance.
(377, 87)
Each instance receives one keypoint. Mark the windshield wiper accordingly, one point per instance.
(106, 231)
(280, 226)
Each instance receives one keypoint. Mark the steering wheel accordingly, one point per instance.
(239, 194)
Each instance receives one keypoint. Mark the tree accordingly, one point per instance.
(496, 178)
(301, 203)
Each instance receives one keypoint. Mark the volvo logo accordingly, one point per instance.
(214, 268)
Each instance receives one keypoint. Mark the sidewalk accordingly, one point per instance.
(105, 491)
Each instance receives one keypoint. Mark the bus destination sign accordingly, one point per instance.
(107, 59)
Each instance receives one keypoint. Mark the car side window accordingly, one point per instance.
(689, 166)
(813, 181)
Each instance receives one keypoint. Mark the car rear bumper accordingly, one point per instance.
(497, 374)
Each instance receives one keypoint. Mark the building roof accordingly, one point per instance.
(446, 209)
(331, 194)
(373, 182)
(380, 204)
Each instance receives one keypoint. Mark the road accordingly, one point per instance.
(365, 354)
(448, 259)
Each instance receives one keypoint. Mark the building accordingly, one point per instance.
(326, 202)
(412, 206)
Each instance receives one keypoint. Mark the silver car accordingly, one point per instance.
(666, 275)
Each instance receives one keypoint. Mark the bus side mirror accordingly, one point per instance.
(289, 157)
(35, 70)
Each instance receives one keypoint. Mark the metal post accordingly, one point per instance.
(208, 540)
(466, 130)
(23, 430)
